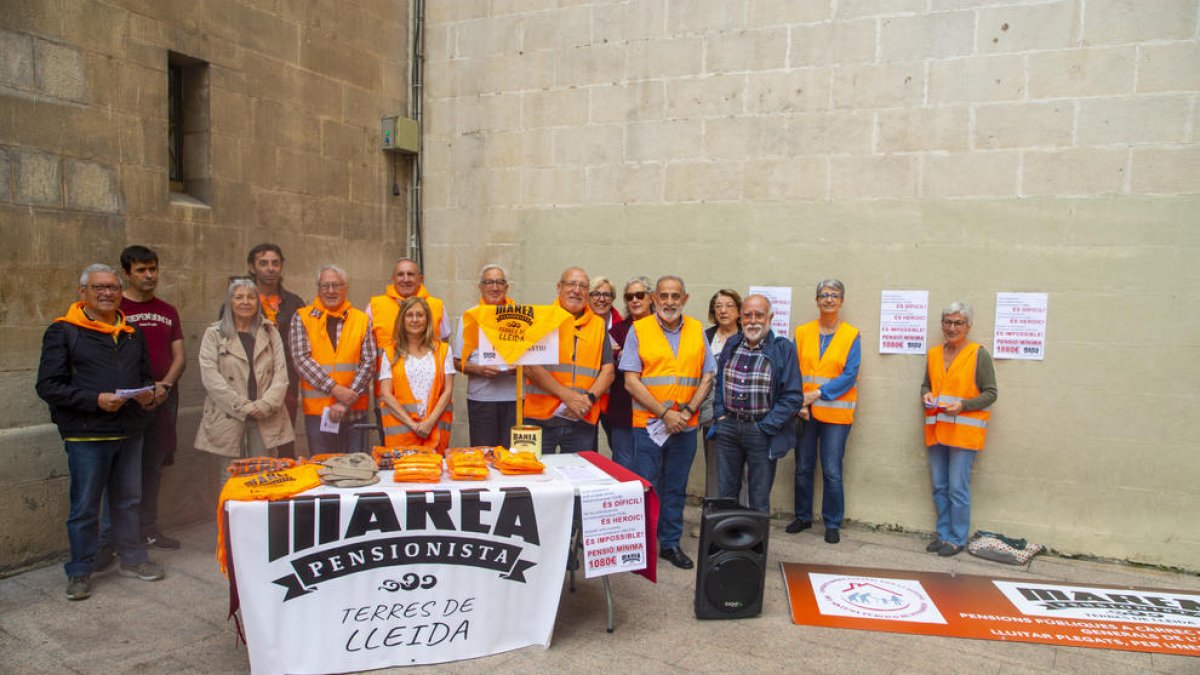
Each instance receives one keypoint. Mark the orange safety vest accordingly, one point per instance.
(672, 379)
(580, 351)
(385, 308)
(395, 431)
(966, 430)
(341, 364)
(816, 370)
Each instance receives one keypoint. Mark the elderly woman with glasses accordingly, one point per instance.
(244, 372)
(600, 299)
(958, 391)
(829, 351)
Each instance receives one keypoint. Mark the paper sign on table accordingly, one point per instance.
(614, 528)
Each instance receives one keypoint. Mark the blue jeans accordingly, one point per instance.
(96, 467)
(831, 439)
(666, 468)
(621, 442)
(950, 469)
(562, 438)
(738, 445)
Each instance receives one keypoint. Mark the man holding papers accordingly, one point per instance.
(668, 369)
(89, 356)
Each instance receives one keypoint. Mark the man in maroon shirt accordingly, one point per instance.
(159, 322)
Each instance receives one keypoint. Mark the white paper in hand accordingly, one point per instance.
(657, 431)
(126, 394)
(327, 424)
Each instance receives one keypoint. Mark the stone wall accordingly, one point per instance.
(295, 94)
(961, 147)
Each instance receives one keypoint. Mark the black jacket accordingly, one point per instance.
(77, 365)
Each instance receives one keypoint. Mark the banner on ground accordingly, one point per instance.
(994, 608)
(347, 581)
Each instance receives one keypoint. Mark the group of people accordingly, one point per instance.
(653, 380)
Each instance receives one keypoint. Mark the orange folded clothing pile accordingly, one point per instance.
(515, 463)
(317, 459)
(417, 465)
(466, 464)
(386, 457)
(250, 465)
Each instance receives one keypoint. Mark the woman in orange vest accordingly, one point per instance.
(959, 389)
(416, 405)
(829, 351)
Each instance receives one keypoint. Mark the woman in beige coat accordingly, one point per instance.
(243, 412)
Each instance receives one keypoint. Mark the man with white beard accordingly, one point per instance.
(668, 369)
(758, 394)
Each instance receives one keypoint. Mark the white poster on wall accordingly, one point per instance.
(903, 322)
(1021, 326)
(347, 580)
(781, 305)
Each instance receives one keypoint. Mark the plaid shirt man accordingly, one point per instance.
(311, 371)
(747, 381)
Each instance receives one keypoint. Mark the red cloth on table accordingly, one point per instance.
(622, 474)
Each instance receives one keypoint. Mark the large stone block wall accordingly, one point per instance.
(961, 147)
(296, 92)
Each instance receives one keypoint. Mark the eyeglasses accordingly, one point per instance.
(754, 315)
(954, 323)
(110, 288)
(636, 295)
(601, 295)
(670, 296)
(578, 285)
(331, 286)
(493, 282)
(829, 296)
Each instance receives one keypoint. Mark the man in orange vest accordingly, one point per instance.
(334, 352)
(668, 368)
(407, 281)
(491, 390)
(563, 399)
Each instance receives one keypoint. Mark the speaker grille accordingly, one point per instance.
(733, 583)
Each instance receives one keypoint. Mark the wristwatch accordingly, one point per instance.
(688, 408)
(591, 396)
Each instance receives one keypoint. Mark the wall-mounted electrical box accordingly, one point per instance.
(400, 134)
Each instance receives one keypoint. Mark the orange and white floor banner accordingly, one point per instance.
(995, 608)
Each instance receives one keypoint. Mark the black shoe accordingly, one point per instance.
(947, 549)
(798, 525)
(832, 536)
(157, 539)
(934, 545)
(676, 557)
(105, 560)
(79, 588)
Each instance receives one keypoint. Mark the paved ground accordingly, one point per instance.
(178, 625)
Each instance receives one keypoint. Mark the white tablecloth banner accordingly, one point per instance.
(334, 581)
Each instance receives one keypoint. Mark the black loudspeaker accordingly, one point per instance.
(733, 561)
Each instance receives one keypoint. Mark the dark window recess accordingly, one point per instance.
(189, 133)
